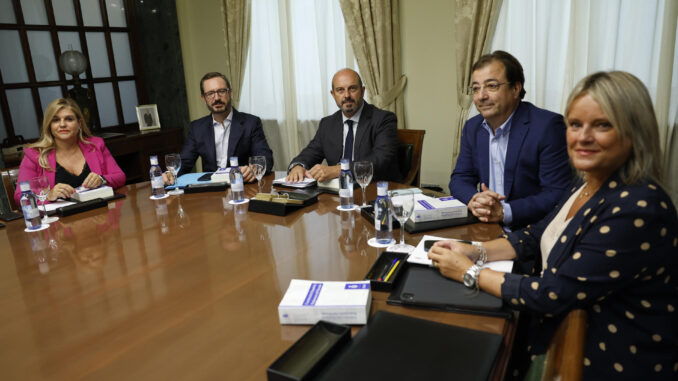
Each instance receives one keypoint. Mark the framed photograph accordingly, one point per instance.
(147, 115)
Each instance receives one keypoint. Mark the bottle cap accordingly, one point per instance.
(234, 161)
(382, 187)
(154, 160)
(24, 186)
(345, 164)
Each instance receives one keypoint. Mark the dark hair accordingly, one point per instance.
(513, 68)
(210, 75)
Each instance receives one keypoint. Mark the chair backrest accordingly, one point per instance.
(565, 355)
(409, 155)
(9, 184)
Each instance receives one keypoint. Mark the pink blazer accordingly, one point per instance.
(97, 156)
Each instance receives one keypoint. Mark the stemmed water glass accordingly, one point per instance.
(363, 175)
(401, 204)
(40, 186)
(173, 164)
(258, 167)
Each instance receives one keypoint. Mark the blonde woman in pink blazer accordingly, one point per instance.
(68, 154)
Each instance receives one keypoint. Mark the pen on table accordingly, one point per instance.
(385, 271)
(392, 271)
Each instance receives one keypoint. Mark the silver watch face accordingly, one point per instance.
(468, 280)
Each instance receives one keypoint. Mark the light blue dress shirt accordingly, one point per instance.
(498, 145)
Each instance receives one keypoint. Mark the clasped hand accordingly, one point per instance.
(452, 258)
(319, 172)
(487, 206)
(65, 191)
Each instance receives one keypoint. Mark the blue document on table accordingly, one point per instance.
(189, 179)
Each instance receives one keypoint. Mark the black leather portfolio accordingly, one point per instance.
(81, 207)
(423, 286)
(398, 347)
(206, 187)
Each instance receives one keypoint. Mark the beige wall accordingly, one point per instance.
(202, 46)
(427, 33)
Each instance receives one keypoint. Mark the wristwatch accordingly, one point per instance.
(471, 276)
(103, 180)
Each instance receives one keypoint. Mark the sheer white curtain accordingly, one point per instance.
(560, 42)
(295, 48)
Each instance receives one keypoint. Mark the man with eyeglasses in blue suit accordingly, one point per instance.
(512, 166)
(226, 132)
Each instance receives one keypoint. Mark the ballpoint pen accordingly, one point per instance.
(386, 269)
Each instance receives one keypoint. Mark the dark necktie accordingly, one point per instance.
(348, 147)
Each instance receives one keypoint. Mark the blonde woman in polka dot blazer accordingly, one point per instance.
(610, 247)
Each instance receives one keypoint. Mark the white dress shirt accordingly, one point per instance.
(222, 132)
(498, 145)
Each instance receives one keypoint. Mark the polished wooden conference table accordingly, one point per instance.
(183, 288)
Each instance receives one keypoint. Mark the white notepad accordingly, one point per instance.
(420, 256)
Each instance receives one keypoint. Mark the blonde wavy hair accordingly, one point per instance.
(627, 104)
(46, 142)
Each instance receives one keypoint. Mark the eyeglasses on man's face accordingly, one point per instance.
(491, 87)
(211, 94)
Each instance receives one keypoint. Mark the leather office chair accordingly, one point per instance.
(564, 359)
(409, 155)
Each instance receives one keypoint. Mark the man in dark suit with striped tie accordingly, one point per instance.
(358, 132)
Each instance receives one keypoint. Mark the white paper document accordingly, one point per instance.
(307, 182)
(57, 204)
(420, 256)
(308, 301)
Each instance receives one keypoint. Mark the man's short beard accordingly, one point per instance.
(227, 109)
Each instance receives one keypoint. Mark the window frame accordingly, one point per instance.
(62, 82)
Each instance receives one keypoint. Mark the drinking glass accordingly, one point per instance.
(258, 167)
(401, 204)
(363, 175)
(173, 164)
(40, 186)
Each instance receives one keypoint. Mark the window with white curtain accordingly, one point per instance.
(295, 48)
(560, 42)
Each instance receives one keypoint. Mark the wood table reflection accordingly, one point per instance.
(181, 288)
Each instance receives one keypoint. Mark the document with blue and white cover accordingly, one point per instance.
(308, 301)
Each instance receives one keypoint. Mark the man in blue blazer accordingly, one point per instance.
(513, 165)
(357, 132)
(224, 133)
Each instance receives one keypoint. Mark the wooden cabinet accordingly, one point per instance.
(132, 151)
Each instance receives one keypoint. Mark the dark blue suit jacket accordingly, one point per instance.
(536, 171)
(246, 139)
(617, 260)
